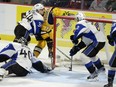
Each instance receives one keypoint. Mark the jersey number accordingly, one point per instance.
(23, 52)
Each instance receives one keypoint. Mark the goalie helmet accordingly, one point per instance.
(38, 7)
(79, 16)
(23, 40)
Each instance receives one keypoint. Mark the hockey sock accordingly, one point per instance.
(111, 75)
(98, 64)
(90, 67)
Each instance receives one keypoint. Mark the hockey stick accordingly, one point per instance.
(70, 68)
(63, 54)
(51, 57)
(71, 59)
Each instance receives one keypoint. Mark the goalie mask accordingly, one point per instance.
(23, 40)
(79, 16)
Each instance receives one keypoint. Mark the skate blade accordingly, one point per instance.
(93, 80)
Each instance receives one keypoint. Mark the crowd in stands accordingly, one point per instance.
(97, 5)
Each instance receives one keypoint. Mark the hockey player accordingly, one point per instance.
(93, 40)
(31, 22)
(46, 35)
(19, 59)
(112, 61)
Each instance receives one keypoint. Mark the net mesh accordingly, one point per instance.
(64, 28)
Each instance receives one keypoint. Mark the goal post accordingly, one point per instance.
(60, 34)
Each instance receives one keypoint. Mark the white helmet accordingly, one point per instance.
(38, 6)
(80, 16)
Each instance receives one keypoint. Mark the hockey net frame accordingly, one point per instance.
(102, 20)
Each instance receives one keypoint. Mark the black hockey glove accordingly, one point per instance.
(74, 50)
(38, 37)
(73, 41)
(110, 40)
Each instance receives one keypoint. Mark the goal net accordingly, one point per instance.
(63, 29)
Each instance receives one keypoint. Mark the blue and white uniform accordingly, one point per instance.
(86, 29)
(93, 40)
(112, 61)
(32, 22)
(112, 34)
(90, 35)
(21, 55)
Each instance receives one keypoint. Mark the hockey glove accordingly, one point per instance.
(72, 39)
(74, 50)
(110, 40)
(38, 37)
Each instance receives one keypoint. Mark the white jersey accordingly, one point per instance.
(88, 31)
(20, 53)
(32, 22)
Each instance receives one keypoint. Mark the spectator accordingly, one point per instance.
(33, 2)
(111, 5)
(114, 7)
(98, 5)
(88, 2)
(21, 1)
(5, 0)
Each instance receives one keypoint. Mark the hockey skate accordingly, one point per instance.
(101, 70)
(47, 70)
(3, 73)
(108, 85)
(93, 77)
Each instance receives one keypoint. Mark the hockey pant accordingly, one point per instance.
(93, 49)
(46, 39)
(20, 31)
(91, 52)
(14, 68)
(112, 61)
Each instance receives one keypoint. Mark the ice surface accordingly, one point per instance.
(59, 77)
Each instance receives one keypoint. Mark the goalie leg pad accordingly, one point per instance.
(41, 67)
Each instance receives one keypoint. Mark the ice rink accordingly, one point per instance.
(59, 77)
